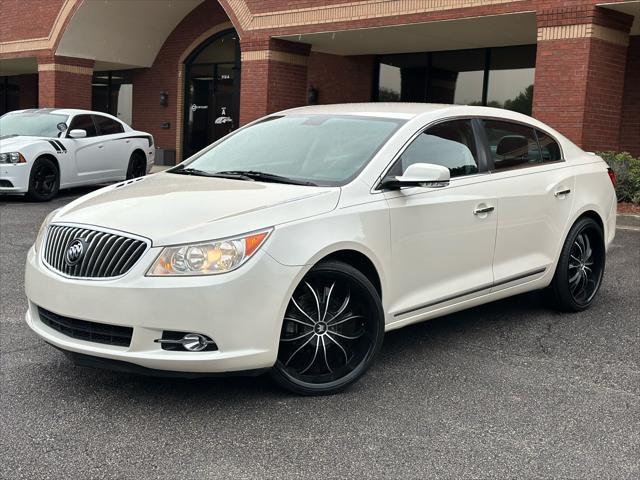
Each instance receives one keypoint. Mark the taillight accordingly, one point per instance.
(612, 176)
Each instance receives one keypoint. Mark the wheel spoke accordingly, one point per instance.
(346, 356)
(588, 251)
(575, 278)
(324, 348)
(348, 337)
(326, 303)
(297, 350)
(352, 317)
(315, 354)
(341, 309)
(316, 298)
(291, 319)
(302, 311)
(296, 338)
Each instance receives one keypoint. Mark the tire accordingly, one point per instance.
(44, 180)
(331, 333)
(137, 166)
(580, 267)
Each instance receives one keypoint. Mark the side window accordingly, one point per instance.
(107, 126)
(450, 144)
(511, 144)
(83, 122)
(549, 148)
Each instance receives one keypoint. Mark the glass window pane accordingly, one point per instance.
(83, 122)
(107, 126)
(511, 144)
(403, 78)
(549, 147)
(450, 144)
(511, 78)
(457, 77)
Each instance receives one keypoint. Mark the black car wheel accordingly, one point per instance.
(44, 180)
(332, 330)
(137, 166)
(580, 268)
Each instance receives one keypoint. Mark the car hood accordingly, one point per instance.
(170, 208)
(13, 143)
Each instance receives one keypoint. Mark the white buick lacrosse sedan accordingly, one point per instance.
(294, 243)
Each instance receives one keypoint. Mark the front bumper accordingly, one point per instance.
(241, 311)
(16, 174)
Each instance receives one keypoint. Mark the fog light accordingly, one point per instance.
(192, 342)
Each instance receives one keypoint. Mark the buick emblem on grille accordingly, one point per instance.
(75, 251)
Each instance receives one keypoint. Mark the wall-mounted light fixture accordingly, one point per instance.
(164, 98)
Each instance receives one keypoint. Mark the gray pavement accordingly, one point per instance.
(507, 390)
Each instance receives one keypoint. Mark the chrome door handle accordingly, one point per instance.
(481, 210)
(562, 192)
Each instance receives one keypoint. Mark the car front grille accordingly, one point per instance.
(102, 254)
(89, 331)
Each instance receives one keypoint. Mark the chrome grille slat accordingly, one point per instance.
(106, 254)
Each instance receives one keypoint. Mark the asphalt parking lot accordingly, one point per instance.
(507, 390)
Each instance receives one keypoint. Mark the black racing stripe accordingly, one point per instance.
(55, 145)
(147, 137)
(61, 145)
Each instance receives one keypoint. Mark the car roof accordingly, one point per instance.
(406, 111)
(64, 111)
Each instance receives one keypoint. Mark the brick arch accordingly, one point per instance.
(204, 37)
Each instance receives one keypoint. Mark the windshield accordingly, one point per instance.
(317, 149)
(34, 124)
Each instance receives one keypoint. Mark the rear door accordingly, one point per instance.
(534, 188)
(442, 239)
(115, 150)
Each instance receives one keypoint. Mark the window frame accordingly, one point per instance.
(487, 150)
(90, 115)
(483, 165)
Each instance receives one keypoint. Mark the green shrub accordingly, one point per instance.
(627, 170)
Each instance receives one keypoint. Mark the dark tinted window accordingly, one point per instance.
(83, 122)
(549, 147)
(450, 144)
(511, 144)
(107, 126)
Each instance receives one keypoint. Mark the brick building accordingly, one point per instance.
(172, 67)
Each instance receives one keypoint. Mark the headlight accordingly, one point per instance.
(12, 157)
(43, 229)
(207, 258)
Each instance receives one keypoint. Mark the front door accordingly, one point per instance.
(442, 239)
(212, 93)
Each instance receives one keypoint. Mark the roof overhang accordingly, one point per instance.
(631, 7)
(473, 32)
(118, 34)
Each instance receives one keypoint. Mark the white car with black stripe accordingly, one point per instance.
(44, 150)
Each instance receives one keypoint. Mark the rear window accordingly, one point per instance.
(512, 145)
(549, 147)
(107, 126)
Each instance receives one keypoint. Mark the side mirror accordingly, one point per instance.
(419, 175)
(77, 133)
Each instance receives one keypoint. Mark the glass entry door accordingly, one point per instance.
(212, 93)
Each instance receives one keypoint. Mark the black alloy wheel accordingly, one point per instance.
(332, 330)
(137, 166)
(580, 268)
(44, 180)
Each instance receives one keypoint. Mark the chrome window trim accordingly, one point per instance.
(85, 226)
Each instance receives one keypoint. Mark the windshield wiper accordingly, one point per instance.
(265, 177)
(203, 173)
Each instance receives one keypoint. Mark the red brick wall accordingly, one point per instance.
(341, 79)
(148, 114)
(64, 89)
(23, 19)
(630, 123)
